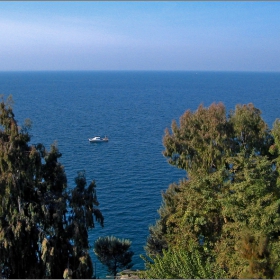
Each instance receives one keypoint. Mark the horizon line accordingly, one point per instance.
(122, 70)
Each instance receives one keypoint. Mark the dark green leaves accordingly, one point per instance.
(114, 253)
(43, 227)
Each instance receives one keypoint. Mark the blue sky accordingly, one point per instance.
(92, 35)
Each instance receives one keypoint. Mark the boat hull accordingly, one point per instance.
(98, 140)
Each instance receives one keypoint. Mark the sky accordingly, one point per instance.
(144, 35)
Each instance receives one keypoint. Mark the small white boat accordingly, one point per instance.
(98, 139)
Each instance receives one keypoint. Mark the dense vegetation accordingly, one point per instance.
(43, 226)
(221, 221)
(229, 203)
(178, 263)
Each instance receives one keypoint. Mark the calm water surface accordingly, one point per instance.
(132, 109)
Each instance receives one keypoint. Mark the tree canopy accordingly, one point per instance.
(43, 225)
(229, 202)
(113, 252)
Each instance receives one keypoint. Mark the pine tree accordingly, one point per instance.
(114, 253)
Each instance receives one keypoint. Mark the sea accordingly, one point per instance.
(133, 109)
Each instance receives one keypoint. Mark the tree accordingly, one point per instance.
(43, 226)
(114, 253)
(230, 200)
(252, 219)
(181, 263)
(206, 137)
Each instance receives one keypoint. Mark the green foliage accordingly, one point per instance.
(200, 140)
(231, 198)
(182, 264)
(206, 138)
(43, 227)
(251, 211)
(114, 253)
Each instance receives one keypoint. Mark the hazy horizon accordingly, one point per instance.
(140, 36)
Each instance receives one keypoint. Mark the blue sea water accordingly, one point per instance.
(132, 109)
